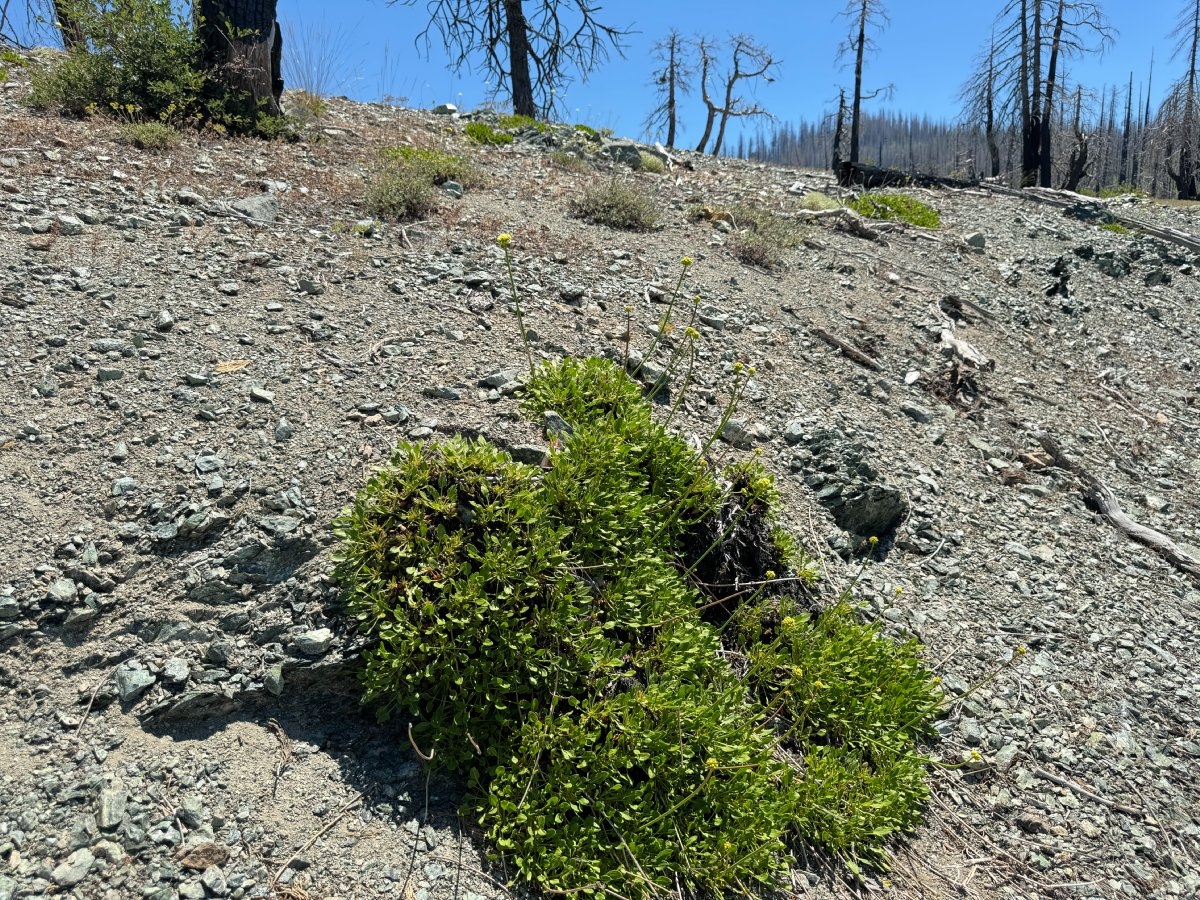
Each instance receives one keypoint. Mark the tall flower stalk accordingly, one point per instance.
(504, 240)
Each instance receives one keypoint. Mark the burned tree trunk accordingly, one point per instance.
(243, 48)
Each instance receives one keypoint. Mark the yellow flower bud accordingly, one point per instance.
(504, 240)
(686, 261)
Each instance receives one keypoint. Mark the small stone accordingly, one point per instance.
(794, 432)
(164, 321)
(175, 670)
(453, 188)
(441, 393)
(132, 682)
(262, 395)
(556, 425)
(74, 869)
(445, 109)
(917, 412)
(273, 680)
(47, 385)
(213, 880)
(124, 485)
(976, 240)
(103, 374)
(284, 430)
(530, 454)
(311, 287)
(737, 433)
(263, 207)
(112, 805)
(63, 590)
(313, 643)
(120, 452)
(229, 288)
(1043, 553)
(279, 524)
(207, 463)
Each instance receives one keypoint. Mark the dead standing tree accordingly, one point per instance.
(1179, 115)
(749, 61)
(671, 82)
(866, 16)
(243, 51)
(979, 100)
(530, 51)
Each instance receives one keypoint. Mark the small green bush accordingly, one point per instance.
(515, 122)
(398, 193)
(434, 165)
(648, 162)
(1115, 228)
(763, 238)
(153, 136)
(588, 130)
(568, 162)
(896, 207)
(542, 632)
(815, 201)
(1122, 190)
(616, 205)
(483, 133)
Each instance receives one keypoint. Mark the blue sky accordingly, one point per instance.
(925, 52)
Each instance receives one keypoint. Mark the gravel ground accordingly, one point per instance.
(190, 395)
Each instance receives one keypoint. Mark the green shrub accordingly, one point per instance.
(568, 162)
(515, 122)
(763, 238)
(483, 133)
(542, 632)
(143, 61)
(616, 205)
(397, 192)
(152, 136)
(896, 207)
(1122, 190)
(433, 165)
(1115, 228)
(648, 162)
(588, 130)
(815, 201)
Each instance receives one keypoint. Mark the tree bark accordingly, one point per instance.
(518, 59)
(243, 48)
(68, 27)
(858, 70)
(671, 76)
(1045, 157)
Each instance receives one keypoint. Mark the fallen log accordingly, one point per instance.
(1098, 496)
(848, 350)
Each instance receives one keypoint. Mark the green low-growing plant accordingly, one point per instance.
(403, 187)
(546, 634)
(306, 105)
(515, 122)
(815, 201)
(763, 238)
(1122, 190)
(483, 133)
(896, 207)
(588, 130)
(568, 162)
(648, 162)
(1115, 228)
(434, 165)
(153, 136)
(616, 205)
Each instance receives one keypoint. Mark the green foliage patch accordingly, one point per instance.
(546, 634)
(403, 187)
(897, 208)
(1115, 228)
(616, 205)
(483, 133)
(143, 60)
(648, 162)
(763, 238)
(152, 136)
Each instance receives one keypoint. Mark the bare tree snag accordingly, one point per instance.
(1100, 498)
(243, 46)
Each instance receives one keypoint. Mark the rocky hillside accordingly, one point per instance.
(205, 353)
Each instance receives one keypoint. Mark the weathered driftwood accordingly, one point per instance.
(1098, 496)
(848, 350)
(964, 351)
(852, 221)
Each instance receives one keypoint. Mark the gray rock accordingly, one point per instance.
(453, 188)
(47, 385)
(279, 525)
(917, 412)
(284, 430)
(312, 287)
(120, 452)
(794, 432)
(74, 869)
(313, 643)
(976, 239)
(8, 888)
(445, 109)
(556, 425)
(63, 590)
(9, 608)
(738, 433)
(213, 880)
(175, 670)
(124, 485)
(104, 374)
(868, 510)
(530, 454)
(273, 680)
(111, 807)
(188, 197)
(438, 392)
(69, 225)
(132, 681)
(501, 378)
(262, 395)
(164, 321)
(262, 207)
(229, 288)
